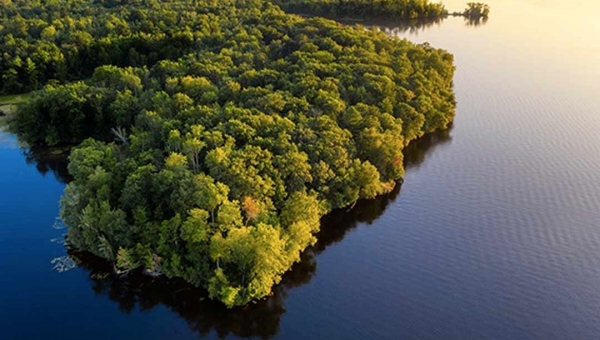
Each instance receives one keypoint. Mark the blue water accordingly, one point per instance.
(495, 233)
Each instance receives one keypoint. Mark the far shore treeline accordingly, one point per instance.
(213, 135)
(391, 9)
(382, 9)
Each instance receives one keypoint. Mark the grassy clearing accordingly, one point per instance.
(5, 111)
(13, 99)
(8, 104)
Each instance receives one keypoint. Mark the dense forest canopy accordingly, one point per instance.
(222, 130)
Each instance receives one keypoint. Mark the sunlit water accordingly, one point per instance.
(495, 233)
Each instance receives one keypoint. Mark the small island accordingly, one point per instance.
(475, 10)
(212, 136)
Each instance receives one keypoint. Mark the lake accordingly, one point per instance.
(495, 233)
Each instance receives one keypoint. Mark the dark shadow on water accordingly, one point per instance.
(203, 316)
(260, 319)
(401, 27)
(47, 160)
(414, 27)
(389, 26)
(394, 27)
(476, 21)
(416, 152)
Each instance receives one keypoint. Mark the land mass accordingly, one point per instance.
(213, 136)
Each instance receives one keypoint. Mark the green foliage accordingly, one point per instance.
(125, 261)
(222, 130)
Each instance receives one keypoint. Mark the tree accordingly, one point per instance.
(192, 146)
(210, 194)
(196, 228)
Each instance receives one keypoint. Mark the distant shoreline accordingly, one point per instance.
(368, 18)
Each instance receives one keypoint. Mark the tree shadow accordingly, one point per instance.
(47, 160)
(413, 27)
(476, 21)
(417, 151)
(392, 26)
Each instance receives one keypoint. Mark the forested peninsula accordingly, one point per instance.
(213, 135)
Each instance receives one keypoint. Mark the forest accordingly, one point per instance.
(213, 135)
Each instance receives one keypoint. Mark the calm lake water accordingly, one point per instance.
(495, 233)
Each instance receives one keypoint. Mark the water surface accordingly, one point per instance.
(495, 233)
